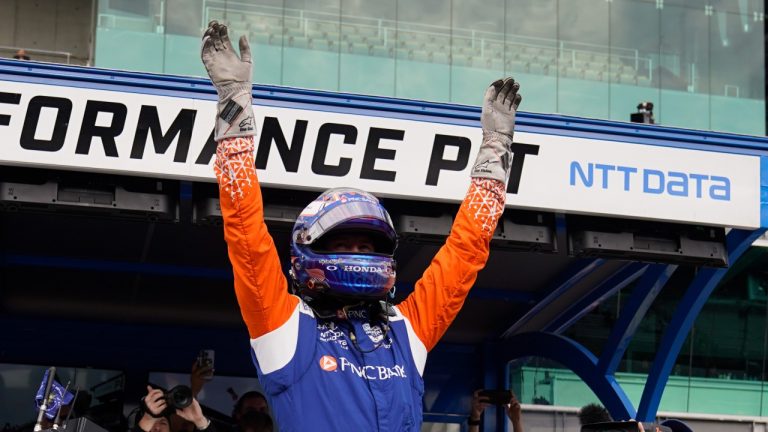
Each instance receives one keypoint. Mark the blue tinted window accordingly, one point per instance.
(701, 65)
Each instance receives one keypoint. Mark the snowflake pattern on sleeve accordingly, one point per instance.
(235, 170)
(234, 166)
(485, 201)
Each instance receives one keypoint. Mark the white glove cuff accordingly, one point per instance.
(234, 116)
(494, 158)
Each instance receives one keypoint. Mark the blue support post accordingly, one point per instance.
(578, 359)
(643, 295)
(697, 294)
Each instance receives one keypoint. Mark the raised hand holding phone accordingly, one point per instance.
(205, 363)
(202, 371)
(482, 399)
(496, 397)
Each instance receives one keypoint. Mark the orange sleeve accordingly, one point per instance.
(439, 294)
(260, 285)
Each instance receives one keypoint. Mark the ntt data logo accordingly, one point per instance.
(328, 363)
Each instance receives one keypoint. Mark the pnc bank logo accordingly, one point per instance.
(328, 363)
(369, 372)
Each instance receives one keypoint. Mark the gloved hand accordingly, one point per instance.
(231, 75)
(498, 120)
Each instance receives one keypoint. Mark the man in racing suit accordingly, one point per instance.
(336, 355)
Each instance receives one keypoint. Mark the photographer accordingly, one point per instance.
(480, 403)
(156, 411)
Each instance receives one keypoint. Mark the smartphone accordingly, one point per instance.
(205, 358)
(496, 397)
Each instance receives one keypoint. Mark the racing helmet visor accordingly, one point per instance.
(343, 213)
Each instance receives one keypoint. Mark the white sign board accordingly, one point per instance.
(162, 136)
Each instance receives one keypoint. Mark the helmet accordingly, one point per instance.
(345, 275)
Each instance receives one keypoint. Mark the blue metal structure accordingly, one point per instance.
(698, 292)
(643, 295)
(574, 356)
(520, 339)
(572, 276)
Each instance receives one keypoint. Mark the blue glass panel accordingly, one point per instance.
(182, 55)
(684, 68)
(144, 53)
(634, 72)
(583, 98)
(367, 75)
(737, 79)
(423, 47)
(683, 109)
(310, 47)
(583, 43)
(476, 48)
(530, 51)
(267, 67)
(367, 37)
(262, 21)
(469, 84)
(739, 115)
(310, 68)
(422, 80)
(592, 58)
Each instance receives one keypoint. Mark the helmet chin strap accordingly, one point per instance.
(384, 311)
(329, 307)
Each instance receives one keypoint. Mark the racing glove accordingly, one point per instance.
(498, 121)
(231, 75)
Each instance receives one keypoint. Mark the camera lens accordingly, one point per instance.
(179, 397)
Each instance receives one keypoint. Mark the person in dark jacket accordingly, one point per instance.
(153, 418)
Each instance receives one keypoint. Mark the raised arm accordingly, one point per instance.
(439, 294)
(260, 284)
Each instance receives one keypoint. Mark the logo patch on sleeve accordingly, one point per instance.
(230, 111)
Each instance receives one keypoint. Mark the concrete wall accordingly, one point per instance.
(47, 25)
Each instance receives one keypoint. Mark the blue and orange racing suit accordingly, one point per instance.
(314, 378)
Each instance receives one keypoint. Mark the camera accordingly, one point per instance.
(644, 113)
(178, 397)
